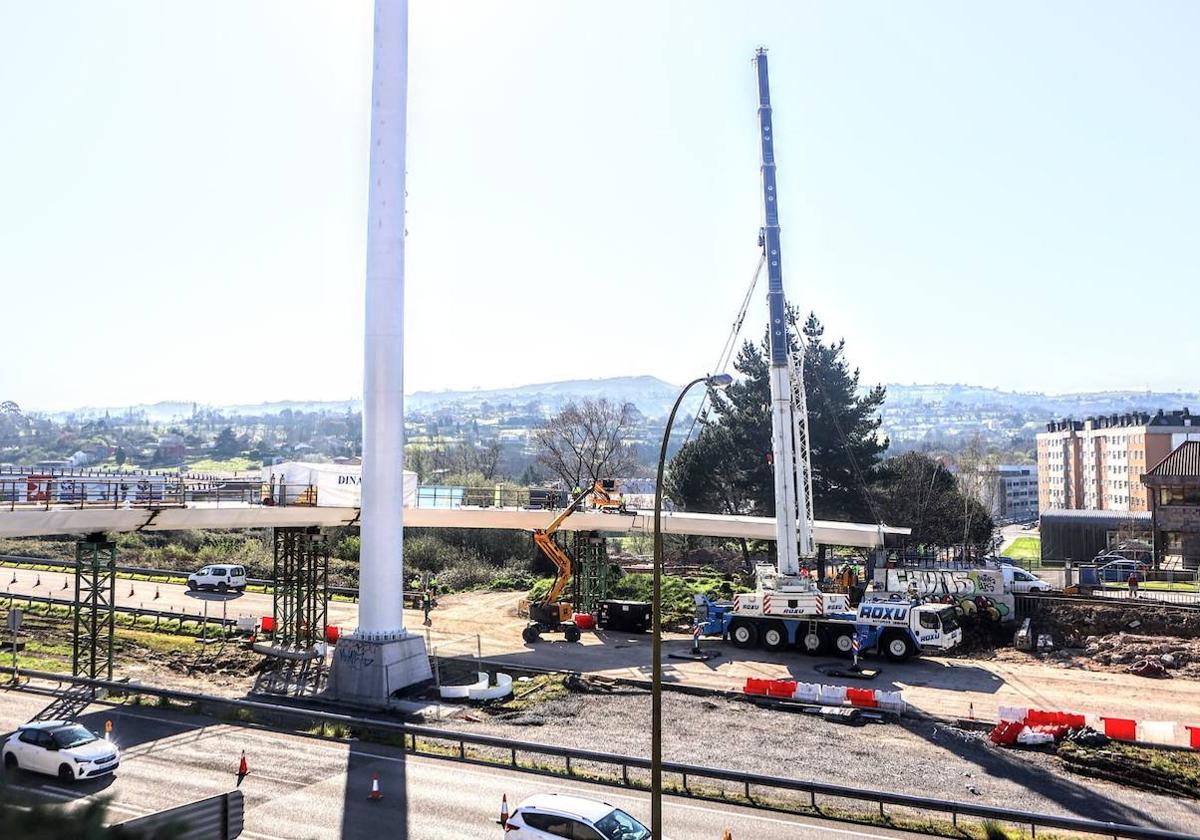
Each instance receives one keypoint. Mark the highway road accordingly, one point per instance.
(947, 687)
(302, 787)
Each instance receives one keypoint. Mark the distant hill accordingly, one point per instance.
(912, 410)
(171, 410)
(651, 395)
(1052, 406)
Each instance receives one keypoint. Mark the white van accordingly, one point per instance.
(1019, 582)
(221, 578)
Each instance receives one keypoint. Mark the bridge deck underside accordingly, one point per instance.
(32, 522)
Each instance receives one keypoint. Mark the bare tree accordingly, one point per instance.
(586, 441)
(485, 458)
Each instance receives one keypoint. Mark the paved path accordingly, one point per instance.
(306, 788)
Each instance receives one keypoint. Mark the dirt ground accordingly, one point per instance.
(1116, 652)
(918, 757)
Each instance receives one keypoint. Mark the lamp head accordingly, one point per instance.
(719, 380)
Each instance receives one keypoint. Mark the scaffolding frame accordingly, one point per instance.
(301, 596)
(590, 555)
(93, 617)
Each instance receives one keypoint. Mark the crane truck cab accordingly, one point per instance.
(902, 629)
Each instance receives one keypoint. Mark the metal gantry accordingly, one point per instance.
(301, 575)
(92, 613)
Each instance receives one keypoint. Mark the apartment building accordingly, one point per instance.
(1098, 463)
(1174, 485)
(1010, 491)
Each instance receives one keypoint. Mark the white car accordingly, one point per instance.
(553, 815)
(60, 748)
(220, 578)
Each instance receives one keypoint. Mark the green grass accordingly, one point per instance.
(1155, 586)
(1025, 549)
(238, 464)
(533, 692)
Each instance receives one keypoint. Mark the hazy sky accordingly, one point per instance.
(1003, 194)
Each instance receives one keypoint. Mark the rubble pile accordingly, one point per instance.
(1146, 655)
(1073, 624)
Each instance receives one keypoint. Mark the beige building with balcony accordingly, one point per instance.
(1098, 463)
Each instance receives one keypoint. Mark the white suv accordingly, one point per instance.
(546, 816)
(60, 748)
(220, 578)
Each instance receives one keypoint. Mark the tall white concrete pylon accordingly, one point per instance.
(380, 658)
(381, 563)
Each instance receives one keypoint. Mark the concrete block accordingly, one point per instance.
(368, 673)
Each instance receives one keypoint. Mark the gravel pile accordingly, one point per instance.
(1179, 656)
(917, 757)
(1115, 652)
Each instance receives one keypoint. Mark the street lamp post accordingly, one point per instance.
(720, 380)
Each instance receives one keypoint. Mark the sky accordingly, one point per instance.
(1001, 194)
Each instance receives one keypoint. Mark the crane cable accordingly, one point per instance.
(730, 345)
(837, 425)
(723, 363)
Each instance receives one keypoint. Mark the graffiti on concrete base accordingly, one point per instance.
(356, 654)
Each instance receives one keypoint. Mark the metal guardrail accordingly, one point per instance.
(413, 736)
(158, 615)
(220, 817)
(140, 491)
(1026, 602)
(411, 596)
(1149, 597)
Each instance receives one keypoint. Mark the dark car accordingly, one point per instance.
(1117, 569)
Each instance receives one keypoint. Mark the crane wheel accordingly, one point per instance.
(571, 633)
(743, 634)
(843, 643)
(898, 648)
(774, 636)
(813, 643)
(530, 635)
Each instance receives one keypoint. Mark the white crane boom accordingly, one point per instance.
(789, 415)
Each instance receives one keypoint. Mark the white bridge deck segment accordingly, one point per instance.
(65, 519)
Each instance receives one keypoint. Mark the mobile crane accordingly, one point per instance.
(787, 606)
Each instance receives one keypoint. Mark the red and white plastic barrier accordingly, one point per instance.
(1034, 725)
(827, 695)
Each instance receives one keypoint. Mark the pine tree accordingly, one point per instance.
(727, 468)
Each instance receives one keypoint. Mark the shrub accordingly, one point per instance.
(469, 572)
(348, 548)
(513, 575)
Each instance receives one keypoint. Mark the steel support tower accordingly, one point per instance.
(92, 626)
(301, 575)
(590, 556)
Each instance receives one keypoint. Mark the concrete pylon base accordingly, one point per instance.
(368, 673)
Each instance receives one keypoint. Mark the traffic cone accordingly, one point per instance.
(243, 767)
(503, 810)
(375, 794)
